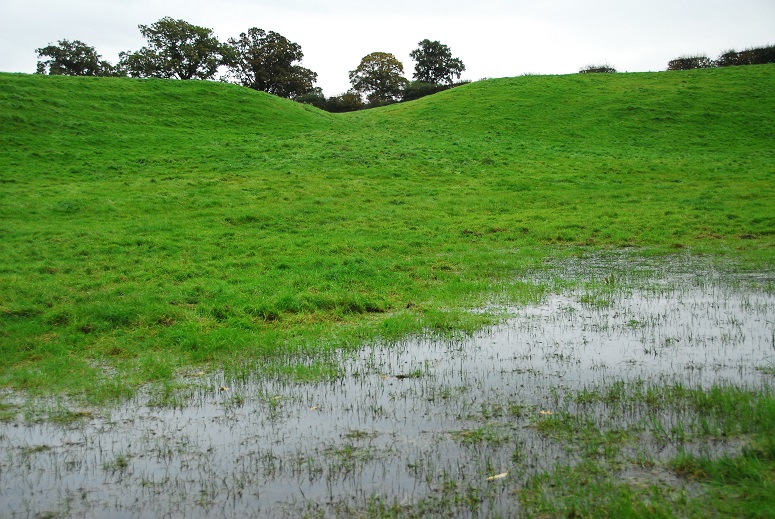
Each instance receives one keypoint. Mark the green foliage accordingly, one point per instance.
(347, 102)
(417, 89)
(434, 63)
(266, 61)
(751, 56)
(690, 63)
(176, 50)
(72, 58)
(737, 484)
(314, 97)
(145, 229)
(603, 68)
(380, 77)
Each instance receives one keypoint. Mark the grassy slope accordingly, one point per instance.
(631, 159)
(151, 225)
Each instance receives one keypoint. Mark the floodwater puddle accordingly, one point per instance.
(450, 427)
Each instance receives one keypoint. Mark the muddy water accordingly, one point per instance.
(419, 424)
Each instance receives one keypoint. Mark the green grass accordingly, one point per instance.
(740, 483)
(149, 226)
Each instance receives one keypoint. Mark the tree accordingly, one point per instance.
(176, 50)
(265, 61)
(435, 64)
(72, 58)
(379, 76)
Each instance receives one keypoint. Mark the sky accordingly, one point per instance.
(493, 38)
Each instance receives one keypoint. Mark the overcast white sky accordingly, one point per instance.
(494, 38)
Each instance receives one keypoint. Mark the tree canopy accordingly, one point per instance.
(72, 58)
(267, 61)
(435, 64)
(379, 76)
(176, 50)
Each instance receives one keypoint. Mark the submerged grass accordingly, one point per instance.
(739, 483)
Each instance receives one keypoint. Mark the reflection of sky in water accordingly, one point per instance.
(391, 425)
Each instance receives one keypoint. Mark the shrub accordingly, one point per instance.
(728, 59)
(752, 56)
(690, 62)
(761, 55)
(604, 68)
(418, 89)
(314, 98)
(347, 102)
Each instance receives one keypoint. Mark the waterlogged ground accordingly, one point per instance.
(602, 370)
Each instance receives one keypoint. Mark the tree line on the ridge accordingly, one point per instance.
(260, 60)
(729, 58)
(269, 62)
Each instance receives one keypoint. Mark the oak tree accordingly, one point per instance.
(268, 62)
(434, 63)
(176, 50)
(380, 77)
(72, 58)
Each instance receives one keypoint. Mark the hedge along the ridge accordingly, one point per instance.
(752, 56)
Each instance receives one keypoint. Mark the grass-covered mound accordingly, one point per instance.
(150, 225)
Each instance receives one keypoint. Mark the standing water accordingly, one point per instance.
(434, 427)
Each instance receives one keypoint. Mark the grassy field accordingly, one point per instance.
(155, 228)
(149, 226)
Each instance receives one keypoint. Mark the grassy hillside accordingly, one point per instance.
(149, 225)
